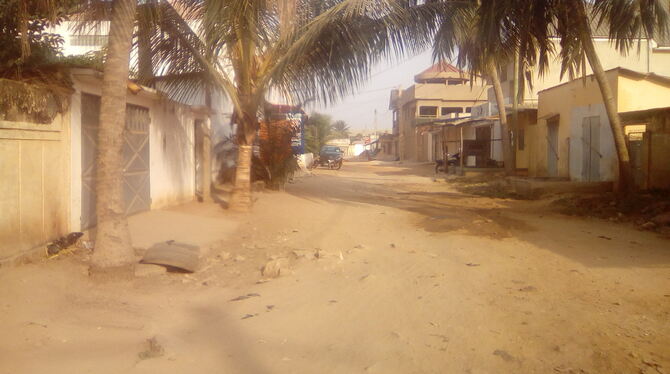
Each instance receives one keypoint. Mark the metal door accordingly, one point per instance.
(90, 116)
(136, 157)
(552, 148)
(591, 149)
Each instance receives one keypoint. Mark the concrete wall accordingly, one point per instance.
(580, 99)
(641, 94)
(172, 153)
(33, 184)
(414, 146)
(572, 102)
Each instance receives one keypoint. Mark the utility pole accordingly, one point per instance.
(375, 123)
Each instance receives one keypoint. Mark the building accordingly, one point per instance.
(653, 56)
(441, 92)
(48, 169)
(572, 138)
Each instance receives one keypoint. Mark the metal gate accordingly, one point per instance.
(136, 157)
(591, 145)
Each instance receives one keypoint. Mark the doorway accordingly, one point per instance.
(591, 145)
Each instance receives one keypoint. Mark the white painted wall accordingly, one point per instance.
(172, 152)
(172, 148)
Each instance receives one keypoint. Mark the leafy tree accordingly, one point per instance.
(27, 47)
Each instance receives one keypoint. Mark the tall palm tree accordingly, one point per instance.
(113, 247)
(298, 50)
(482, 47)
(531, 25)
(248, 49)
(627, 22)
(526, 28)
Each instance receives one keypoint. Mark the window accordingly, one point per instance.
(521, 141)
(428, 111)
(449, 110)
(468, 109)
(88, 40)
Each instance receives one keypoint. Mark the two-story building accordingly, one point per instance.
(441, 92)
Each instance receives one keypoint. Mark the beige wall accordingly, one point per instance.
(416, 147)
(527, 123)
(647, 60)
(577, 100)
(34, 189)
(40, 172)
(571, 102)
(640, 94)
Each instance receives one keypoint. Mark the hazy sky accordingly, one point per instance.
(359, 110)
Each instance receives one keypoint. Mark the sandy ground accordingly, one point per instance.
(411, 277)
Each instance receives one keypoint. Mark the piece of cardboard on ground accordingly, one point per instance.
(174, 254)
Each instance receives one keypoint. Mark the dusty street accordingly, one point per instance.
(410, 276)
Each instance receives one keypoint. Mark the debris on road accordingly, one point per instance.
(504, 355)
(152, 349)
(177, 255)
(57, 246)
(272, 269)
(244, 297)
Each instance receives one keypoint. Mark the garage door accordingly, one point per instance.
(136, 176)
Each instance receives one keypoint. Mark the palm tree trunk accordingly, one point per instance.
(625, 184)
(240, 199)
(515, 112)
(500, 100)
(112, 248)
(144, 63)
(23, 30)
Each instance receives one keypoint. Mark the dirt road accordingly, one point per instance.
(411, 277)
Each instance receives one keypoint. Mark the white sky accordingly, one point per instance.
(358, 110)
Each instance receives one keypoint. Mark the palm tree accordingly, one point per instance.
(113, 247)
(318, 130)
(247, 49)
(340, 129)
(482, 46)
(298, 50)
(525, 28)
(627, 21)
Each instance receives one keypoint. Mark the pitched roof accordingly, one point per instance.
(441, 70)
